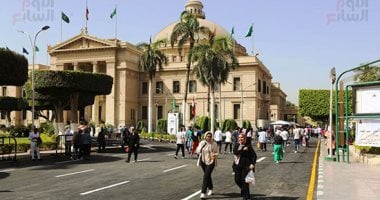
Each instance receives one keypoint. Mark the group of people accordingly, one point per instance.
(78, 143)
(244, 160)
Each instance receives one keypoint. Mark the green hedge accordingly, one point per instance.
(229, 124)
(13, 68)
(162, 126)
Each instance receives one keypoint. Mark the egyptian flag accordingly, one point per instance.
(193, 107)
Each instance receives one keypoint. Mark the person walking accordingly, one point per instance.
(277, 148)
(195, 137)
(101, 140)
(34, 147)
(68, 141)
(134, 144)
(86, 143)
(180, 142)
(189, 142)
(208, 153)
(297, 137)
(285, 136)
(228, 141)
(218, 137)
(77, 142)
(263, 139)
(245, 160)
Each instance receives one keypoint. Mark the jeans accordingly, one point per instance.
(207, 180)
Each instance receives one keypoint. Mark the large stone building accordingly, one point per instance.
(248, 95)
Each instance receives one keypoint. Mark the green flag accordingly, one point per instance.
(232, 31)
(36, 48)
(250, 31)
(113, 13)
(65, 17)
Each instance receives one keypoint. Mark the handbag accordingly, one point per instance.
(250, 178)
(126, 149)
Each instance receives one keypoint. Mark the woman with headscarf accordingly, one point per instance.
(245, 160)
(134, 144)
(208, 153)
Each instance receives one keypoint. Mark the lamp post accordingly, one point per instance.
(332, 78)
(241, 101)
(33, 44)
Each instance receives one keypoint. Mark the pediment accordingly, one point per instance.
(83, 41)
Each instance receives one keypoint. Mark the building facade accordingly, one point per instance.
(249, 93)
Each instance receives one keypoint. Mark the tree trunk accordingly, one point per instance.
(150, 106)
(59, 119)
(184, 100)
(8, 122)
(74, 109)
(212, 111)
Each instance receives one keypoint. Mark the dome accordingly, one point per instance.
(167, 31)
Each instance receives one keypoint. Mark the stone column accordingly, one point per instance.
(110, 99)
(95, 107)
(75, 64)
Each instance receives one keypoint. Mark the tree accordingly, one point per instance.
(368, 73)
(13, 71)
(212, 61)
(151, 59)
(67, 87)
(185, 31)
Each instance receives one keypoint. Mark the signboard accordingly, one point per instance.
(173, 123)
(368, 132)
(367, 100)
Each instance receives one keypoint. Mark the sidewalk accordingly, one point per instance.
(346, 181)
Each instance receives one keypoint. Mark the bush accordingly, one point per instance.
(19, 131)
(229, 124)
(203, 123)
(140, 125)
(162, 125)
(247, 124)
(47, 127)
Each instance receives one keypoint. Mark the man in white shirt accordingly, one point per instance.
(180, 142)
(218, 137)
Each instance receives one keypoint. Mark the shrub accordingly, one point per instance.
(19, 131)
(140, 125)
(229, 124)
(162, 125)
(47, 127)
(247, 124)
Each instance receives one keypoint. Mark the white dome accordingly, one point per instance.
(167, 31)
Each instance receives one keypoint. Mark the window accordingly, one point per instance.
(259, 86)
(236, 111)
(216, 111)
(264, 87)
(176, 86)
(236, 84)
(159, 112)
(159, 87)
(144, 88)
(174, 58)
(182, 58)
(192, 86)
(4, 91)
(2, 115)
(144, 112)
(133, 112)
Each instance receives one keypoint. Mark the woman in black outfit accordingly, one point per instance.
(134, 144)
(245, 160)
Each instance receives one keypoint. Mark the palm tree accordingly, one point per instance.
(185, 31)
(151, 58)
(212, 62)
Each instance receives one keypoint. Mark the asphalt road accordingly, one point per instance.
(156, 175)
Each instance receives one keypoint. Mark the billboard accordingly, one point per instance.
(368, 132)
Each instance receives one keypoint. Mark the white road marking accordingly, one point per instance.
(261, 159)
(149, 147)
(144, 159)
(7, 170)
(103, 188)
(192, 195)
(172, 154)
(69, 174)
(68, 161)
(168, 170)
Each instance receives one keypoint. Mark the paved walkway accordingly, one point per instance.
(346, 181)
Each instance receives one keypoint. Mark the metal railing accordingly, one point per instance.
(8, 148)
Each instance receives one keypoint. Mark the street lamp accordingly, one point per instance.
(332, 78)
(33, 44)
(241, 101)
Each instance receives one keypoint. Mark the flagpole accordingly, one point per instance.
(116, 22)
(85, 16)
(61, 26)
(253, 46)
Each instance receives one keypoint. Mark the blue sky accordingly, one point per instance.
(299, 41)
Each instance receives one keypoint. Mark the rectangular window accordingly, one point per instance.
(159, 87)
(259, 86)
(174, 58)
(144, 112)
(236, 111)
(133, 118)
(264, 87)
(216, 111)
(159, 112)
(176, 86)
(4, 91)
(144, 88)
(2, 115)
(192, 86)
(236, 84)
